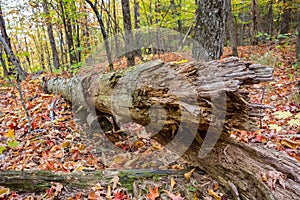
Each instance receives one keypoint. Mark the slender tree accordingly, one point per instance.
(270, 18)
(137, 25)
(116, 28)
(66, 18)
(5, 40)
(231, 29)
(254, 21)
(15, 61)
(103, 31)
(55, 57)
(285, 18)
(298, 40)
(209, 30)
(4, 67)
(128, 32)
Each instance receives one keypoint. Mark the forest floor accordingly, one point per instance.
(57, 142)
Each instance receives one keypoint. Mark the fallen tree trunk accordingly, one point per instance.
(36, 181)
(190, 108)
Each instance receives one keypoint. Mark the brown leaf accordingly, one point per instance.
(173, 196)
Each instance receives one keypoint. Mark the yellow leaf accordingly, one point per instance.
(173, 183)
(189, 174)
(4, 191)
(10, 133)
(295, 122)
(66, 144)
(289, 143)
(297, 116)
(282, 114)
(181, 62)
(275, 127)
(108, 193)
(213, 194)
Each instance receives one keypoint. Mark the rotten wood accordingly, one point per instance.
(35, 181)
(190, 108)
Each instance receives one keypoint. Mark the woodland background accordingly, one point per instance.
(43, 39)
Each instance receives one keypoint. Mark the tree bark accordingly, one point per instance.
(68, 32)
(298, 40)
(55, 57)
(104, 34)
(43, 179)
(285, 18)
(190, 108)
(254, 21)
(5, 40)
(128, 33)
(209, 30)
(137, 26)
(270, 18)
(14, 59)
(232, 31)
(5, 71)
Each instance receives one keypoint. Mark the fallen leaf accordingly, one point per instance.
(189, 174)
(294, 122)
(153, 193)
(108, 193)
(4, 191)
(213, 194)
(282, 114)
(115, 182)
(173, 196)
(289, 143)
(173, 183)
(10, 133)
(271, 178)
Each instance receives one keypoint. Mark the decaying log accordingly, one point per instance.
(190, 108)
(36, 181)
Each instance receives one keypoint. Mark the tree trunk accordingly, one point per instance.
(254, 22)
(43, 179)
(5, 40)
(128, 32)
(3, 29)
(14, 59)
(232, 31)
(285, 18)
(209, 30)
(28, 52)
(104, 34)
(5, 72)
(298, 40)
(55, 57)
(68, 32)
(116, 29)
(270, 19)
(137, 26)
(189, 108)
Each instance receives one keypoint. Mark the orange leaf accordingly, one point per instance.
(153, 193)
(10, 133)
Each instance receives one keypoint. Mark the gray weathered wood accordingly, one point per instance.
(190, 108)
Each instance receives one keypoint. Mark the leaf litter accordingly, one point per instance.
(58, 143)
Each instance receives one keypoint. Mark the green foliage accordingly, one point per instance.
(13, 144)
(2, 148)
